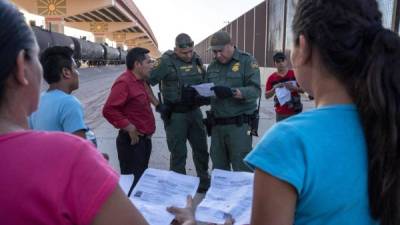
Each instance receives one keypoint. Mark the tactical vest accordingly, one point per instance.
(231, 75)
(181, 74)
(234, 75)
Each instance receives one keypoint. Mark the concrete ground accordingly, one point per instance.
(95, 84)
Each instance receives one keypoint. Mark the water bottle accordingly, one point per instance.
(91, 137)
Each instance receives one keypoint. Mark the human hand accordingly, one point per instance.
(279, 85)
(229, 221)
(184, 216)
(133, 134)
(164, 111)
(290, 86)
(222, 91)
(237, 94)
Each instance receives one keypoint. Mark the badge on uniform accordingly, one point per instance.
(236, 67)
(157, 62)
(186, 68)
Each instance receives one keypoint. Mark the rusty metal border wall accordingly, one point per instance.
(266, 29)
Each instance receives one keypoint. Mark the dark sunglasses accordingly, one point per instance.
(186, 45)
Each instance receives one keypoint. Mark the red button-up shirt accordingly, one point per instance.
(129, 102)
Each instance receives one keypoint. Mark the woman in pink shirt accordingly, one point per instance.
(46, 178)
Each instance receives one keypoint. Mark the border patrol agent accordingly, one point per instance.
(175, 72)
(236, 77)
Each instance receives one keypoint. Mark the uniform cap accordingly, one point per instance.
(183, 41)
(219, 40)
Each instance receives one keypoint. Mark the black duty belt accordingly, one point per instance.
(181, 108)
(238, 120)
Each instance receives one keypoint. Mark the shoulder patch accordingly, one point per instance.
(157, 63)
(254, 65)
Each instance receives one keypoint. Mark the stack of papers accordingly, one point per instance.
(230, 194)
(159, 189)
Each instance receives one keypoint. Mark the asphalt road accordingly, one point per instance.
(95, 84)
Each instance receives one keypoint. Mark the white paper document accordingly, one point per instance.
(204, 89)
(158, 189)
(230, 194)
(283, 95)
(126, 181)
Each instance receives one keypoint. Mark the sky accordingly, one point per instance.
(198, 18)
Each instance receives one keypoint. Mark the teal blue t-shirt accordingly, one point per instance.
(58, 111)
(322, 153)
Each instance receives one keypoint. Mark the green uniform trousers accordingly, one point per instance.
(229, 146)
(180, 128)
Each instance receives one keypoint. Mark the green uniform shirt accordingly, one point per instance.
(173, 74)
(241, 72)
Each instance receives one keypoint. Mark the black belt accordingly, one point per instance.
(181, 108)
(238, 120)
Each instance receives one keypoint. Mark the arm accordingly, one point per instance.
(270, 93)
(274, 201)
(150, 93)
(186, 216)
(159, 72)
(112, 111)
(270, 88)
(118, 210)
(251, 89)
(80, 133)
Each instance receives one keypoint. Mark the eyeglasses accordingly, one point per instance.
(186, 45)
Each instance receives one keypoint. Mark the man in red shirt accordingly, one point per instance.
(283, 79)
(128, 109)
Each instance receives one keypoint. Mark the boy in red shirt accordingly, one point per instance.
(283, 79)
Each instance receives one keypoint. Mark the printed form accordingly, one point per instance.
(204, 89)
(159, 189)
(230, 194)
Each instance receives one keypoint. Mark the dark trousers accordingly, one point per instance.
(133, 159)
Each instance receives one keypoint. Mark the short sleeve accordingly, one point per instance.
(91, 182)
(72, 118)
(268, 85)
(280, 153)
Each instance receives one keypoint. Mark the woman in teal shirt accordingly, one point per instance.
(338, 163)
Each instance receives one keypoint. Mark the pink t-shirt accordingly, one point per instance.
(51, 178)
